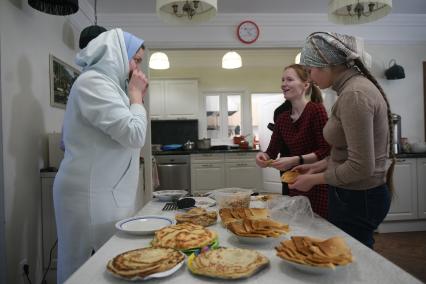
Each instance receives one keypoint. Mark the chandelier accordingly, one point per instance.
(349, 12)
(186, 11)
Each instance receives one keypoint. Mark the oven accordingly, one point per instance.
(174, 172)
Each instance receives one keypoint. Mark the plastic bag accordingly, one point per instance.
(295, 210)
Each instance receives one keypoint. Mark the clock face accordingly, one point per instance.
(248, 32)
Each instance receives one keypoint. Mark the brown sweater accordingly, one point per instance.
(358, 133)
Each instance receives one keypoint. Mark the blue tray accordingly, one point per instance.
(171, 147)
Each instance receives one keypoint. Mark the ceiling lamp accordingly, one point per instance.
(185, 11)
(55, 7)
(349, 12)
(297, 58)
(159, 61)
(231, 60)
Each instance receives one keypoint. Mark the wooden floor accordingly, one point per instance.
(407, 250)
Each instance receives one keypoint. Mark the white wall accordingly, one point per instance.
(28, 37)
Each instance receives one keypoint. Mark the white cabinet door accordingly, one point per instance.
(207, 176)
(243, 174)
(421, 186)
(156, 99)
(181, 99)
(404, 203)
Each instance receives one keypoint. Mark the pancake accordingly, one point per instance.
(229, 215)
(144, 262)
(183, 236)
(289, 176)
(228, 263)
(198, 216)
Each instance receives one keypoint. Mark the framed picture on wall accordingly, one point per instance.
(62, 76)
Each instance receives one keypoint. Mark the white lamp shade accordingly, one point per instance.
(297, 58)
(159, 60)
(231, 60)
(338, 13)
(207, 9)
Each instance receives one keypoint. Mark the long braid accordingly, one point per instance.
(389, 174)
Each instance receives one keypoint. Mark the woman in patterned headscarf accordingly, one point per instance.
(359, 132)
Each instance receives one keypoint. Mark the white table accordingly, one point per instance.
(369, 267)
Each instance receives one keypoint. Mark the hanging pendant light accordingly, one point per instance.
(231, 60)
(159, 61)
(297, 58)
(186, 11)
(351, 12)
(90, 32)
(55, 7)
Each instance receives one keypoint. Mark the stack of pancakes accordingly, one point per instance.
(144, 262)
(183, 236)
(228, 263)
(229, 215)
(310, 251)
(289, 176)
(198, 216)
(261, 228)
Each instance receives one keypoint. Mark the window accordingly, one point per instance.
(223, 115)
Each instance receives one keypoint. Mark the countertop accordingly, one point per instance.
(410, 155)
(368, 267)
(196, 151)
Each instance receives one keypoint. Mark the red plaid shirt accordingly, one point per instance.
(304, 136)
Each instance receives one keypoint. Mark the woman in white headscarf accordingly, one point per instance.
(359, 131)
(104, 128)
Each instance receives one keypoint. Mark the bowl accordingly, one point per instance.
(418, 147)
(169, 195)
(233, 197)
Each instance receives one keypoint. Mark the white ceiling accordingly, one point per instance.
(251, 6)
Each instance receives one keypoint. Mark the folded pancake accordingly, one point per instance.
(228, 215)
(289, 176)
(310, 251)
(198, 216)
(183, 236)
(144, 262)
(261, 228)
(228, 263)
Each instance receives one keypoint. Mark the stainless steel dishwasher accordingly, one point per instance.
(174, 172)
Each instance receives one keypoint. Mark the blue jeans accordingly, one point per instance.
(358, 212)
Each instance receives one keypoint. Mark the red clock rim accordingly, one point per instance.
(258, 32)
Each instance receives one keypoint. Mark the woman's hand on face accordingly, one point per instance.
(285, 163)
(138, 86)
(262, 159)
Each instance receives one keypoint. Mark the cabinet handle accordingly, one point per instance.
(206, 165)
(242, 165)
(400, 160)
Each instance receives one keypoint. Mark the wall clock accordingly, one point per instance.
(248, 32)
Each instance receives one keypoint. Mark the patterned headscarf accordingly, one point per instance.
(323, 49)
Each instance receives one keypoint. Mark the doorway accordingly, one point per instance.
(263, 106)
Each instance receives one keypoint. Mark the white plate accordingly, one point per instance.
(143, 225)
(204, 202)
(155, 275)
(313, 269)
(169, 195)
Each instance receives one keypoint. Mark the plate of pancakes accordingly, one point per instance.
(227, 263)
(146, 263)
(314, 255)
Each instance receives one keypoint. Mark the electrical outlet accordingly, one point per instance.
(22, 263)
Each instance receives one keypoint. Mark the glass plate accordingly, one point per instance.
(169, 195)
(204, 202)
(313, 269)
(143, 225)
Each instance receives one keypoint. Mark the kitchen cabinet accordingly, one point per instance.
(212, 171)
(404, 202)
(408, 207)
(421, 186)
(241, 171)
(174, 99)
(207, 172)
